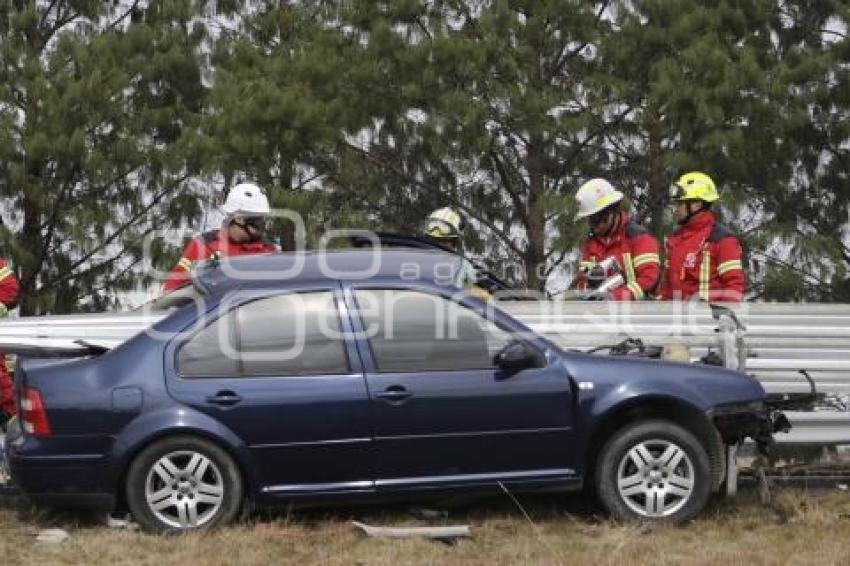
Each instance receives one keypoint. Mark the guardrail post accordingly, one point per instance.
(734, 354)
(732, 342)
(728, 342)
(743, 351)
(731, 470)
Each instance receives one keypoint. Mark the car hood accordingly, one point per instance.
(625, 377)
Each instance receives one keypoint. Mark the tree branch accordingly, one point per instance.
(600, 131)
(792, 267)
(123, 228)
(109, 282)
(58, 208)
(112, 25)
(504, 175)
(556, 262)
(563, 57)
(46, 13)
(453, 200)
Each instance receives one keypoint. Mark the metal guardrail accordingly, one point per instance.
(817, 428)
(778, 340)
(66, 331)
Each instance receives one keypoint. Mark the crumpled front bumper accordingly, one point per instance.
(754, 420)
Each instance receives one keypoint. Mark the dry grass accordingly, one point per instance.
(798, 528)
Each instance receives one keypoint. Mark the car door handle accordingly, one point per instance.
(394, 394)
(225, 398)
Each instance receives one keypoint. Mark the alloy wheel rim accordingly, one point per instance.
(655, 478)
(184, 489)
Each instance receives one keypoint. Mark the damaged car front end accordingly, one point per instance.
(757, 420)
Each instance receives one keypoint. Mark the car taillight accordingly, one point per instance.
(33, 414)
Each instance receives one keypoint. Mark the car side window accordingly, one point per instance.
(204, 354)
(283, 335)
(414, 331)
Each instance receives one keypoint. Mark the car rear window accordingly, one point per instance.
(283, 335)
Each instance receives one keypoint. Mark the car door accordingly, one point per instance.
(278, 372)
(441, 413)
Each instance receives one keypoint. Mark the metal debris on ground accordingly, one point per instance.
(435, 533)
(121, 523)
(51, 536)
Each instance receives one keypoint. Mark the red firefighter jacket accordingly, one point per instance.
(636, 252)
(209, 245)
(704, 260)
(8, 300)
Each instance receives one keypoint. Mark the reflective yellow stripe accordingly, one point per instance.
(630, 268)
(729, 266)
(185, 263)
(631, 279)
(603, 201)
(588, 263)
(447, 215)
(4, 273)
(705, 275)
(636, 290)
(643, 259)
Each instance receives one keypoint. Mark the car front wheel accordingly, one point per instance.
(653, 470)
(183, 483)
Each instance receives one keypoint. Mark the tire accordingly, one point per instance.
(653, 470)
(183, 483)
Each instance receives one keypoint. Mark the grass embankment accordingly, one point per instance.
(800, 527)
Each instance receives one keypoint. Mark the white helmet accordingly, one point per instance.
(596, 195)
(246, 199)
(445, 223)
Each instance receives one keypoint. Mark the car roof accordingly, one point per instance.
(357, 264)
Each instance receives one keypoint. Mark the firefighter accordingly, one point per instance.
(8, 300)
(246, 210)
(616, 245)
(704, 259)
(446, 226)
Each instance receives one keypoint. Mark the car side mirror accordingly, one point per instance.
(517, 356)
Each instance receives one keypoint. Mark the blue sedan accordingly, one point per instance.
(353, 374)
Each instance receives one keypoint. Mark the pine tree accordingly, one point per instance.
(490, 109)
(730, 88)
(98, 114)
(808, 257)
(279, 110)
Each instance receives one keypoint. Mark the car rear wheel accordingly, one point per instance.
(653, 470)
(183, 483)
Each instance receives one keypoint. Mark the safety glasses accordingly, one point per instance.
(257, 223)
(440, 229)
(677, 191)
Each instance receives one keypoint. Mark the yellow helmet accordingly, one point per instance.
(445, 223)
(694, 186)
